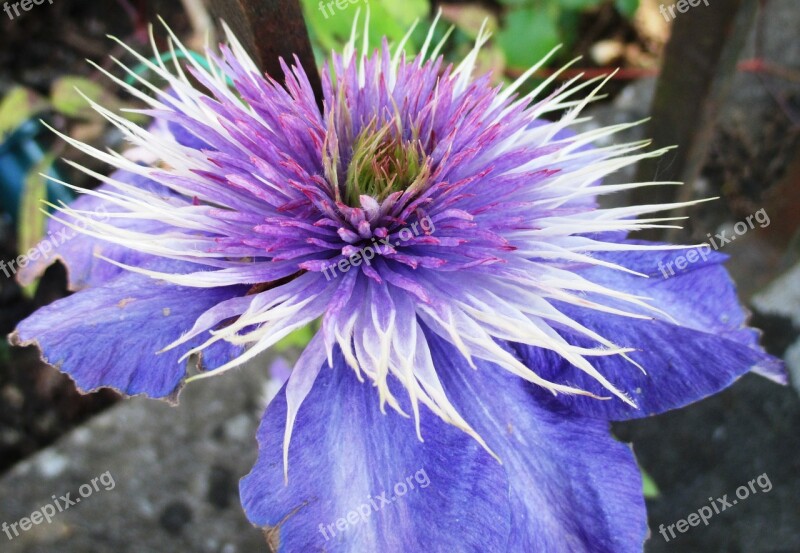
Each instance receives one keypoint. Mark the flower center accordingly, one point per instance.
(383, 162)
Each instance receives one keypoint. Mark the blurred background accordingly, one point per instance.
(721, 80)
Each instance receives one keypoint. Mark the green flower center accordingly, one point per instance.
(383, 162)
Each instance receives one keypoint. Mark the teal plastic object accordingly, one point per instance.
(19, 153)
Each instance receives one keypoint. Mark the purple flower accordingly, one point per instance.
(482, 318)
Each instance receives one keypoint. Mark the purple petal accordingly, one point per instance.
(682, 365)
(572, 487)
(108, 336)
(345, 454)
(701, 297)
(564, 486)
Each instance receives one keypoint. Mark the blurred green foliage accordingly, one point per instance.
(24, 192)
(529, 34)
(298, 339)
(17, 106)
(534, 27)
(649, 487)
(331, 27)
(67, 97)
(32, 220)
(524, 30)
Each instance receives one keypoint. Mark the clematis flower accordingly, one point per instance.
(482, 317)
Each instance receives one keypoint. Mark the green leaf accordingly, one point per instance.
(528, 35)
(580, 5)
(297, 339)
(469, 18)
(405, 12)
(32, 220)
(66, 97)
(68, 101)
(649, 487)
(569, 23)
(330, 25)
(5, 352)
(19, 105)
(627, 7)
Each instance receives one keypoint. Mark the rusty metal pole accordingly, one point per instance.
(270, 30)
(698, 69)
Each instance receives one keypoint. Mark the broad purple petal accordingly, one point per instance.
(701, 296)
(572, 487)
(682, 366)
(564, 486)
(109, 335)
(345, 454)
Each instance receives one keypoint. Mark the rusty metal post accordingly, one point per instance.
(270, 30)
(698, 69)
